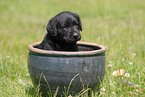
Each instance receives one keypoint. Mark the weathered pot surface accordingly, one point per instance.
(59, 67)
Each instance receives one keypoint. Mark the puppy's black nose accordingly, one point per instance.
(75, 35)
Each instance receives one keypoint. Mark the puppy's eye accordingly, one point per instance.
(64, 26)
(75, 23)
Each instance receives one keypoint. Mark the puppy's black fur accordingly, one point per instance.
(63, 31)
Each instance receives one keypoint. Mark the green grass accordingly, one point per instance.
(117, 24)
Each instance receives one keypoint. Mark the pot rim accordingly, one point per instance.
(37, 51)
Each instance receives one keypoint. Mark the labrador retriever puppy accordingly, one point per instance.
(63, 31)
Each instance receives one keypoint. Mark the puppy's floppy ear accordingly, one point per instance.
(80, 24)
(51, 27)
(79, 21)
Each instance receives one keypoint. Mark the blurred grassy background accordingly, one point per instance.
(117, 24)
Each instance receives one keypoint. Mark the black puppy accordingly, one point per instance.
(62, 32)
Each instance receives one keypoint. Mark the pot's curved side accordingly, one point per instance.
(59, 71)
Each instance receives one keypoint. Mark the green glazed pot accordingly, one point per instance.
(52, 69)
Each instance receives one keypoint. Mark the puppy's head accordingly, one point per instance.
(66, 27)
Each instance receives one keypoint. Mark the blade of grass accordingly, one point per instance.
(71, 83)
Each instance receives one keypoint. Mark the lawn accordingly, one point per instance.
(119, 25)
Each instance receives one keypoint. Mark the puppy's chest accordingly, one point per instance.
(66, 47)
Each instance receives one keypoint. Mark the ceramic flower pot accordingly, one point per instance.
(59, 67)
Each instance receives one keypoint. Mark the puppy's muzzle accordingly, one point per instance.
(76, 36)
